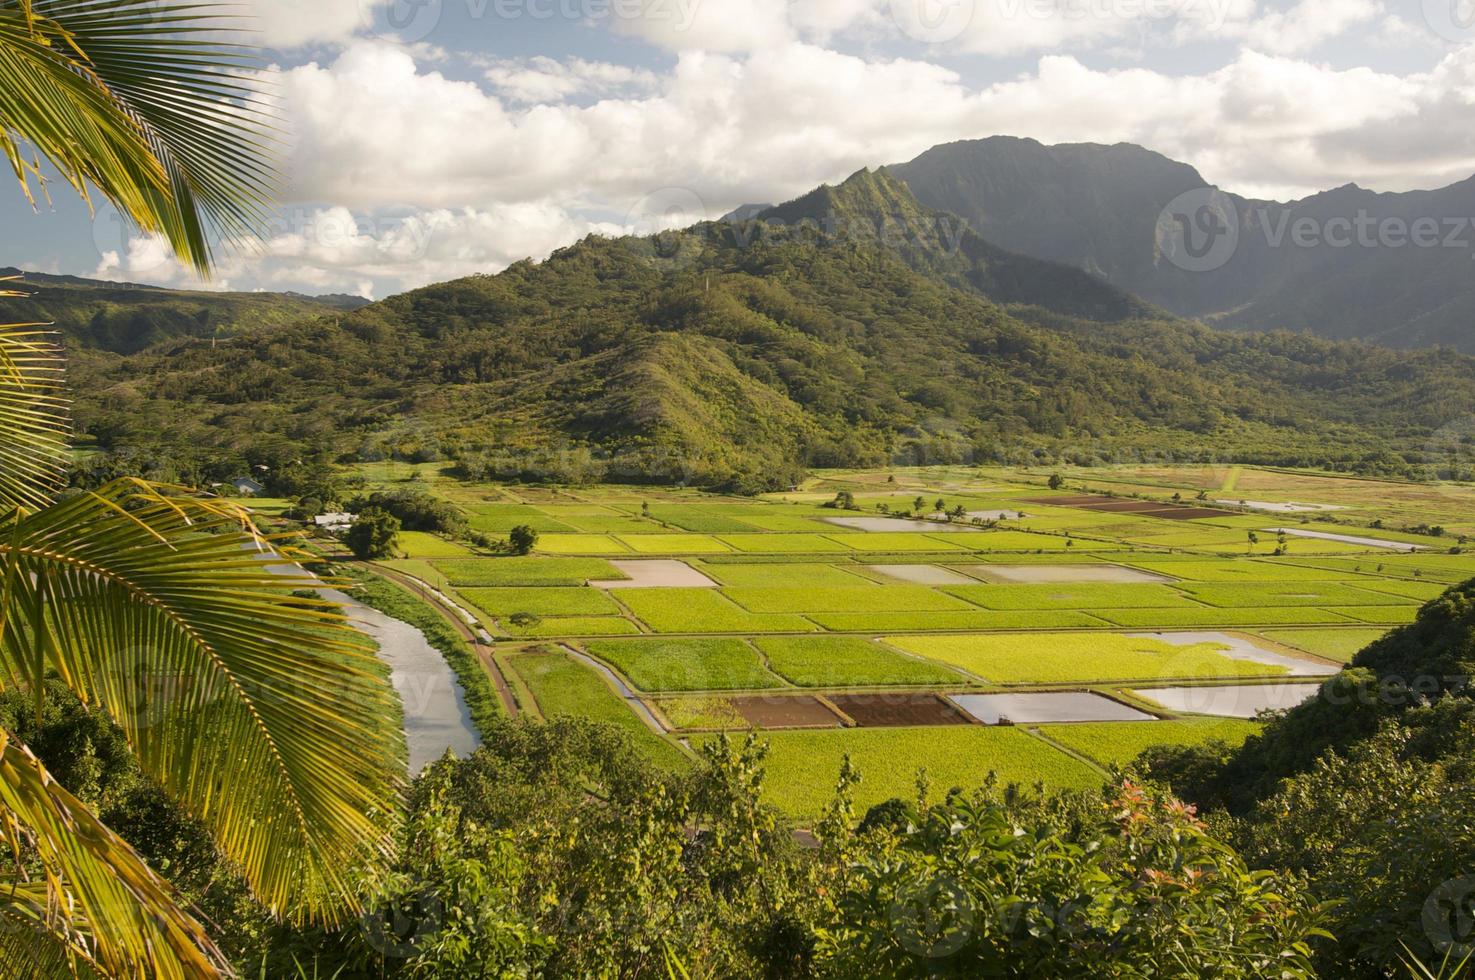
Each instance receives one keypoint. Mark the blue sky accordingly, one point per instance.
(430, 139)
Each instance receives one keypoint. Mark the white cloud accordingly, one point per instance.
(432, 176)
(286, 24)
(542, 79)
(1307, 24)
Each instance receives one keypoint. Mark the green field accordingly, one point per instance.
(545, 601)
(699, 712)
(1261, 594)
(795, 606)
(673, 544)
(703, 611)
(563, 686)
(660, 665)
(1221, 618)
(420, 544)
(1022, 658)
(784, 544)
(526, 571)
(842, 661)
(1334, 644)
(803, 766)
(556, 626)
(1117, 743)
(1094, 595)
(874, 622)
(858, 598)
(805, 575)
(581, 544)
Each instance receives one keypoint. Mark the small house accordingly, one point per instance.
(246, 487)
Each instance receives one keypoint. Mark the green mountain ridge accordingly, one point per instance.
(738, 354)
(125, 318)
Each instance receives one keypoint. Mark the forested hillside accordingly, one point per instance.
(736, 354)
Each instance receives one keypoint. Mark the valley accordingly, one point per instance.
(1044, 648)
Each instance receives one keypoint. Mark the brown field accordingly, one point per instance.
(777, 711)
(898, 710)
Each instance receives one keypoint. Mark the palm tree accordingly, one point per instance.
(263, 713)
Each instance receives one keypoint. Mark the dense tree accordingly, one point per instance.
(374, 534)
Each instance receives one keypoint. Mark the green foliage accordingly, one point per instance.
(1382, 832)
(521, 540)
(762, 356)
(1135, 887)
(374, 534)
(566, 688)
(416, 510)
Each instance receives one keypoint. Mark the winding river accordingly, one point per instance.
(436, 716)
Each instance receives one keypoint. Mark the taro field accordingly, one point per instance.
(975, 623)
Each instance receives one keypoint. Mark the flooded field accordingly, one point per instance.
(1234, 701)
(1031, 709)
(922, 574)
(1238, 646)
(656, 574)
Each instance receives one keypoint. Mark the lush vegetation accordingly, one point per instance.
(759, 354)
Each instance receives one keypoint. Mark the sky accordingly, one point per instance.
(425, 140)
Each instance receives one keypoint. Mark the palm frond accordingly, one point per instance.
(98, 907)
(143, 100)
(33, 416)
(266, 715)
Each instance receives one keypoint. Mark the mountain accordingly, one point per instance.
(1101, 208)
(125, 318)
(875, 208)
(736, 354)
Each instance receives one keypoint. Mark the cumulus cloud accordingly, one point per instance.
(775, 122)
(996, 27)
(405, 174)
(286, 24)
(543, 79)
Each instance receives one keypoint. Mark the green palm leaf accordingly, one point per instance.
(266, 715)
(33, 416)
(98, 907)
(142, 100)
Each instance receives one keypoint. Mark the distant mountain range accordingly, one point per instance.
(854, 326)
(125, 318)
(1393, 269)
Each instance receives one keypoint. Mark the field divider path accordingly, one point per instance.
(1067, 750)
(641, 709)
(452, 615)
